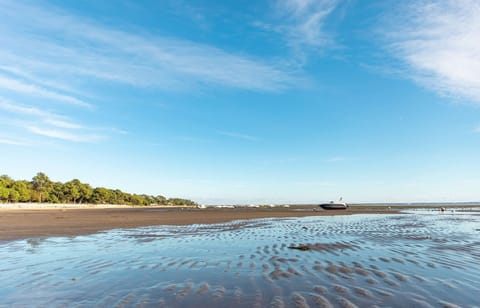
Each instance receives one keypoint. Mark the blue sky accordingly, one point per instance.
(245, 102)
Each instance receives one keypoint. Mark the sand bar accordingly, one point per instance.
(27, 223)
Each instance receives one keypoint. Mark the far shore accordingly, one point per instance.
(20, 223)
(45, 220)
(56, 206)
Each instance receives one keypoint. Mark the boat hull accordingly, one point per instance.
(333, 206)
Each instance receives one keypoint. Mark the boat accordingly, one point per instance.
(334, 205)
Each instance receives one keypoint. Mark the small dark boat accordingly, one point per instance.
(334, 206)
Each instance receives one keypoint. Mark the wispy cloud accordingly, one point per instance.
(62, 124)
(64, 135)
(50, 58)
(302, 25)
(238, 136)
(53, 41)
(307, 19)
(34, 114)
(438, 44)
(48, 124)
(38, 80)
(9, 106)
(33, 90)
(12, 142)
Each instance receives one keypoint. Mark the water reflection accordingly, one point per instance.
(414, 259)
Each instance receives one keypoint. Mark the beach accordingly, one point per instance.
(18, 223)
(242, 258)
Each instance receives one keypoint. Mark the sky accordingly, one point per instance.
(293, 101)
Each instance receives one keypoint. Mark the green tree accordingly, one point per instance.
(41, 184)
(23, 189)
(102, 195)
(41, 189)
(57, 193)
(160, 200)
(13, 195)
(86, 192)
(72, 190)
(4, 192)
(137, 200)
(179, 201)
(5, 181)
(119, 197)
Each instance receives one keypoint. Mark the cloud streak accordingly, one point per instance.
(438, 44)
(47, 124)
(306, 20)
(302, 26)
(46, 53)
(12, 142)
(8, 106)
(64, 135)
(33, 90)
(41, 40)
(51, 60)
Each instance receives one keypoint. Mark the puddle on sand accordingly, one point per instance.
(416, 259)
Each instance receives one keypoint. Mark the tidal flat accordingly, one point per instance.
(420, 258)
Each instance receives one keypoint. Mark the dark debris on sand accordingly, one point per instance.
(300, 247)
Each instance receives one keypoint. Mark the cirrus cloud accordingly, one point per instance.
(49, 42)
(438, 44)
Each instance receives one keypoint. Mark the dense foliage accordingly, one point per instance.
(42, 189)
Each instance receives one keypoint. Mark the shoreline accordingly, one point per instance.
(57, 206)
(22, 223)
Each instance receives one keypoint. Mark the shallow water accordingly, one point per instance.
(421, 259)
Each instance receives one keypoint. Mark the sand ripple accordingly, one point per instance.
(418, 259)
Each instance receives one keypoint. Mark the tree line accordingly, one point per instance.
(42, 189)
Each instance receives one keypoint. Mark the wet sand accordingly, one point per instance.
(414, 259)
(20, 223)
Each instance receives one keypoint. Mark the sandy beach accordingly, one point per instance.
(25, 223)
(417, 258)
